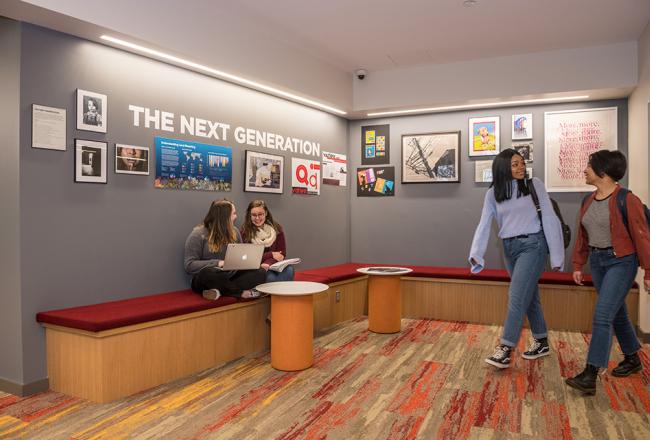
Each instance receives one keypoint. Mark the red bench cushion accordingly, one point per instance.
(115, 314)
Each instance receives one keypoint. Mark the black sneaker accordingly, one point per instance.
(537, 349)
(501, 357)
(211, 294)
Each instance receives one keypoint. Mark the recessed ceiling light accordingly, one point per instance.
(219, 74)
(470, 3)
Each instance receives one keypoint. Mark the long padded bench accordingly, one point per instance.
(103, 352)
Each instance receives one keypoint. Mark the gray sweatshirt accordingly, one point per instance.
(197, 252)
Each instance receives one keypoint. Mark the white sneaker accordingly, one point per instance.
(211, 294)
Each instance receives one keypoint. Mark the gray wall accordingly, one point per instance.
(433, 224)
(10, 334)
(90, 243)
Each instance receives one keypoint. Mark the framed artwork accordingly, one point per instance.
(529, 172)
(522, 126)
(375, 144)
(431, 157)
(92, 111)
(525, 149)
(335, 169)
(484, 136)
(375, 181)
(264, 172)
(305, 176)
(569, 138)
(483, 171)
(130, 159)
(90, 161)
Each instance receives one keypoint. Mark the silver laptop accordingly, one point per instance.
(243, 256)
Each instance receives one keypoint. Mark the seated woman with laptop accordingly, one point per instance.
(218, 265)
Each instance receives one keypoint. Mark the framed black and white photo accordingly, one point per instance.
(92, 111)
(264, 172)
(90, 161)
(131, 159)
(525, 149)
(522, 126)
(431, 157)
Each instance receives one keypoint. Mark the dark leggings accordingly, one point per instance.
(229, 283)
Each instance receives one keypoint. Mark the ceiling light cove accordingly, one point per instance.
(219, 74)
(477, 106)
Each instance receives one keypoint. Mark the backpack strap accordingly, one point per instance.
(621, 202)
(533, 195)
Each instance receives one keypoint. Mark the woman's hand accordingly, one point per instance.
(265, 266)
(277, 256)
(577, 277)
(646, 284)
(220, 263)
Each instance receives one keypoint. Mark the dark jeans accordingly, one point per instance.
(613, 277)
(229, 283)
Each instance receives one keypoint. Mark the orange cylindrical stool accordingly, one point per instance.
(384, 304)
(292, 332)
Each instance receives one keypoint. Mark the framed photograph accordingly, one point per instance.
(92, 111)
(484, 136)
(525, 149)
(569, 138)
(483, 171)
(431, 157)
(522, 126)
(130, 159)
(264, 172)
(90, 161)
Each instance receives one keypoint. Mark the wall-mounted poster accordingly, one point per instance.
(305, 176)
(483, 171)
(484, 136)
(264, 172)
(130, 159)
(183, 164)
(522, 126)
(90, 161)
(569, 138)
(92, 111)
(376, 182)
(335, 169)
(529, 172)
(525, 149)
(431, 157)
(375, 144)
(48, 127)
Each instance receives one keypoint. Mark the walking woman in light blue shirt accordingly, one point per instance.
(526, 244)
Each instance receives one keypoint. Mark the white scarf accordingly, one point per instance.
(265, 235)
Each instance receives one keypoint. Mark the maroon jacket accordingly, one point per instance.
(279, 245)
(637, 240)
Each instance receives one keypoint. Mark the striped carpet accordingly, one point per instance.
(427, 382)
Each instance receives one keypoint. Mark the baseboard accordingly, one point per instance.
(644, 337)
(22, 390)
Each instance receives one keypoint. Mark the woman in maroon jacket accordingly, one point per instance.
(260, 228)
(614, 252)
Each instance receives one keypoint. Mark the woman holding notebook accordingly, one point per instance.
(260, 228)
(205, 250)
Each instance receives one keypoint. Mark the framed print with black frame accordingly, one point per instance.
(263, 173)
(131, 159)
(92, 111)
(431, 157)
(90, 161)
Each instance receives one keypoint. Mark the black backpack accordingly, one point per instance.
(566, 230)
(621, 201)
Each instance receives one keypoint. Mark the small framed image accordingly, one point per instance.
(522, 126)
(431, 157)
(483, 171)
(525, 149)
(529, 172)
(48, 127)
(264, 173)
(90, 161)
(484, 136)
(131, 159)
(92, 111)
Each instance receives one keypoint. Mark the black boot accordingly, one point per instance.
(631, 364)
(585, 381)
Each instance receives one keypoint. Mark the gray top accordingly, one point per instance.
(197, 252)
(596, 222)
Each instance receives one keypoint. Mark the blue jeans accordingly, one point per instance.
(525, 261)
(285, 275)
(613, 277)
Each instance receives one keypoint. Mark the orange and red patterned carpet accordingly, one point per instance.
(427, 382)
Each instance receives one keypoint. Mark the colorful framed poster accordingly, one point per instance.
(264, 173)
(569, 138)
(130, 159)
(525, 149)
(375, 144)
(305, 176)
(90, 161)
(189, 165)
(522, 126)
(483, 171)
(335, 169)
(92, 111)
(484, 136)
(431, 157)
(375, 181)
